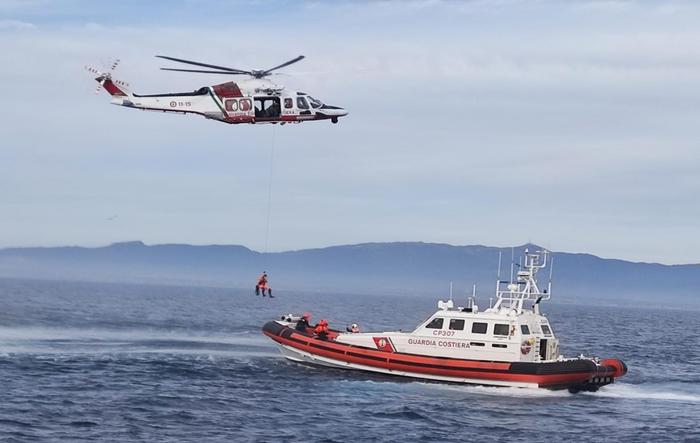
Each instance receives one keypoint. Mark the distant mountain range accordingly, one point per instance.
(370, 268)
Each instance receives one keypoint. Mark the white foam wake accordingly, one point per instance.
(643, 392)
(39, 339)
(502, 391)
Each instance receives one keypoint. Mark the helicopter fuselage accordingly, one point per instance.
(251, 101)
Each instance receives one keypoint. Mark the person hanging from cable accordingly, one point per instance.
(262, 286)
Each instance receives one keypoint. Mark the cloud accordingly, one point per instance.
(15, 25)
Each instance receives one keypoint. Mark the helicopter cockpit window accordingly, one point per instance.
(288, 103)
(315, 103)
(301, 103)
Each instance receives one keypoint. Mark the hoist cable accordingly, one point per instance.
(269, 197)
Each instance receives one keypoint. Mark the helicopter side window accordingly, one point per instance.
(232, 105)
(301, 103)
(288, 103)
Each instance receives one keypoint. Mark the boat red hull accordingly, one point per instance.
(577, 374)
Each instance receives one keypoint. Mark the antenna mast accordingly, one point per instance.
(514, 295)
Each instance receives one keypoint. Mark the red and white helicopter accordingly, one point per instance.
(253, 100)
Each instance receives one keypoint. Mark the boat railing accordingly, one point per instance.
(523, 284)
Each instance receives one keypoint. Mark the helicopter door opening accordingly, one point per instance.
(267, 107)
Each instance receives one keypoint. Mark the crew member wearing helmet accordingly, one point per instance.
(353, 328)
(303, 322)
(321, 330)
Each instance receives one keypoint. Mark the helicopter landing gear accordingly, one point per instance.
(334, 120)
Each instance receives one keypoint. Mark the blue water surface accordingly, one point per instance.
(110, 362)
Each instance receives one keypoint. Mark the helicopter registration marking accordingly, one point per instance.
(174, 104)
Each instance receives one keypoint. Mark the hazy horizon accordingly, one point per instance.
(105, 245)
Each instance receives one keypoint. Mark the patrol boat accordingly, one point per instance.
(509, 344)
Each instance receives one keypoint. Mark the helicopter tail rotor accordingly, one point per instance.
(104, 80)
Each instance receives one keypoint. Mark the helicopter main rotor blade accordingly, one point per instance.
(190, 62)
(294, 60)
(204, 72)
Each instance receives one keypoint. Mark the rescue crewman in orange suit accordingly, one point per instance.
(262, 285)
(321, 330)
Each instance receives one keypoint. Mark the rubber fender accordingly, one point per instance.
(618, 366)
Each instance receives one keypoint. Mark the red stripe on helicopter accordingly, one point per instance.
(112, 88)
(228, 89)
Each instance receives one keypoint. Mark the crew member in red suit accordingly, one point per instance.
(262, 286)
(321, 330)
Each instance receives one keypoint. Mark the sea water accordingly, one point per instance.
(112, 362)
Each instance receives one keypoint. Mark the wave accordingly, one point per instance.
(642, 392)
(74, 340)
(501, 391)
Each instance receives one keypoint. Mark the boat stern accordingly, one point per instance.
(604, 373)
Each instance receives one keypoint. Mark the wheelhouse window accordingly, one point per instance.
(456, 324)
(435, 323)
(288, 103)
(301, 103)
(525, 329)
(479, 328)
(500, 329)
(546, 330)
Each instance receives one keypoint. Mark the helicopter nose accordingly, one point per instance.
(334, 111)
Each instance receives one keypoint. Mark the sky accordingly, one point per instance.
(570, 124)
